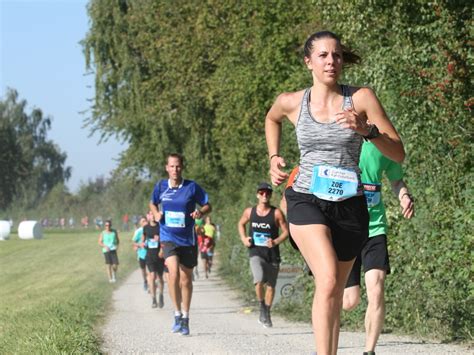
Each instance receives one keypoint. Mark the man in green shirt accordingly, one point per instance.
(374, 255)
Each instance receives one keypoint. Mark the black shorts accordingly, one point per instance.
(374, 255)
(142, 263)
(111, 257)
(348, 220)
(187, 255)
(154, 262)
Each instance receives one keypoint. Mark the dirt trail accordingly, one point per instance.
(221, 324)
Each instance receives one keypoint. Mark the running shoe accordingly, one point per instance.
(161, 301)
(268, 321)
(185, 326)
(177, 324)
(154, 304)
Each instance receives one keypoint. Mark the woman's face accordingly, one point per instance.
(326, 60)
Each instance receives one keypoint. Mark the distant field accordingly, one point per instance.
(54, 291)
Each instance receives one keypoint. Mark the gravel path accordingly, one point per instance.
(221, 324)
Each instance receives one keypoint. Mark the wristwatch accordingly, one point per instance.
(373, 133)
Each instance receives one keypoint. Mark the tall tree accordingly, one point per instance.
(31, 164)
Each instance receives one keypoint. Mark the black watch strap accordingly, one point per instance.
(373, 133)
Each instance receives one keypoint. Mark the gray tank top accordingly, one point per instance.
(325, 144)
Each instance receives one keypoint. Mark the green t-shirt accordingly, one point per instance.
(209, 230)
(137, 238)
(373, 164)
(109, 239)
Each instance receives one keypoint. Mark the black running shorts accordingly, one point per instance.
(111, 257)
(187, 255)
(348, 220)
(154, 262)
(374, 255)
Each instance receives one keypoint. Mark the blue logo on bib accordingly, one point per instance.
(333, 184)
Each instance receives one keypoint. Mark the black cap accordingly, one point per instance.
(264, 186)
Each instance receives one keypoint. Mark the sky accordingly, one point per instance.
(41, 58)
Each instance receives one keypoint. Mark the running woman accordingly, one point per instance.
(327, 211)
(173, 203)
(141, 251)
(263, 240)
(374, 255)
(109, 241)
(154, 261)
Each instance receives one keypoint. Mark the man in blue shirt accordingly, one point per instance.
(173, 204)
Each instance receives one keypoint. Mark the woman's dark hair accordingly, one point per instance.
(348, 55)
(109, 222)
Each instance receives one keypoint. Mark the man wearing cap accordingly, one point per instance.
(263, 241)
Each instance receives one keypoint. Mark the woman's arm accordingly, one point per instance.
(285, 106)
(389, 142)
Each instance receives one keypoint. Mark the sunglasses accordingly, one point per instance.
(265, 192)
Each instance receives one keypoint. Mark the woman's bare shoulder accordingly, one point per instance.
(363, 97)
(361, 92)
(289, 101)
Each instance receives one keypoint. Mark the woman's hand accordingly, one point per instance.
(277, 175)
(352, 120)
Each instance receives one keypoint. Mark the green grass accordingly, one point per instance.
(54, 292)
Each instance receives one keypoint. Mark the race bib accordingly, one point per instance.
(152, 244)
(112, 247)
(174, 219)
(333, 184)
(260, 239)
(373, 194)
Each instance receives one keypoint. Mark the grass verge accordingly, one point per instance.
(54, 292)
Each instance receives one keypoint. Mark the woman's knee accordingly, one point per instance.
(327, 286)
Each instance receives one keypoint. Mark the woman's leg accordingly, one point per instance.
(314, 243)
